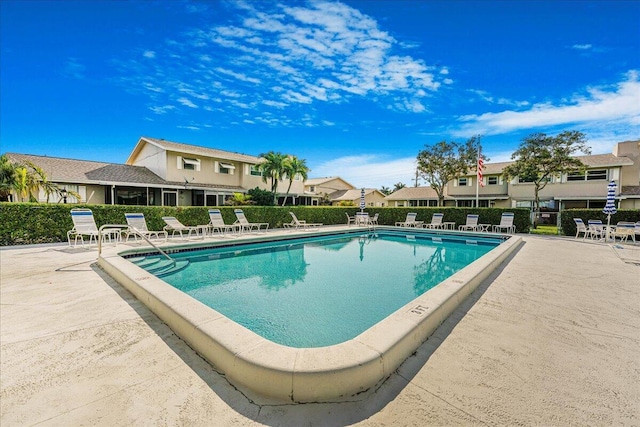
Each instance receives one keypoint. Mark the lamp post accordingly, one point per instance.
(63, 193)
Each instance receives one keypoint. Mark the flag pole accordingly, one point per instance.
(478, 176)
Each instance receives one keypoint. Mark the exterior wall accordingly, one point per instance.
(629, 175)
(154, 158)
(95, 194)
(374, 199)
(331, 186)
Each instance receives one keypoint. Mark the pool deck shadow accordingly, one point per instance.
(551, 337)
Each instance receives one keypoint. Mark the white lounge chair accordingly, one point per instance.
(595, 229)
(174, 226)
(436, 221)
(217, 222)
(297, 223)
(84, 224)
(138, 226)
(506, 223)
(245, 225)
(410, 221)
(472, 223)
(624, 230)
(580, 228)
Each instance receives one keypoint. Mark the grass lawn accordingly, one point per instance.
(545, 229)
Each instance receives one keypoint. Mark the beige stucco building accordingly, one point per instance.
(572, 190)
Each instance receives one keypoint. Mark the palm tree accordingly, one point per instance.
(42, 181)
(25, 183)
(294, 166)
(398, 185)
(272, 167)
(7, 177)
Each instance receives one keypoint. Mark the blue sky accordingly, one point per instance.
(356, 88)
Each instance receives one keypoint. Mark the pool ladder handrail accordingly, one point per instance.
(134, 231)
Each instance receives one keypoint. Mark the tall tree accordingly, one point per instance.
(540, 157)
(398, 185)
(294, 166)
(8, 179)
(444, 161)
(272, 167)
(385, 190)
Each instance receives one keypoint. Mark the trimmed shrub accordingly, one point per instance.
(29, 223)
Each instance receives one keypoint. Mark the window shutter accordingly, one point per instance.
(232, 171)
(469, 182)
(455, 182)
(179, 165)
(216, 167)
(501, 179)
(247, 169)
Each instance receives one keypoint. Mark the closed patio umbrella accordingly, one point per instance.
(610, 207)
(362, 204)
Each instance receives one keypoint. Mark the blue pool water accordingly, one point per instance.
(320, 291)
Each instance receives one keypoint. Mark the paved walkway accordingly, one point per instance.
(552, 338)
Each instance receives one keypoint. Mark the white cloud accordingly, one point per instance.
(187, 102)
(581, 46)
(277, 56)
(73, 68)
(598, 106)
(189, 127)
(162, 109)
(369, 170)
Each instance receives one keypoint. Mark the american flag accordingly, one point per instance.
(480, 166)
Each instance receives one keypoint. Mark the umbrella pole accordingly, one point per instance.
(607, 233)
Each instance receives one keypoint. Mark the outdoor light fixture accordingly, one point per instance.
(63, 193)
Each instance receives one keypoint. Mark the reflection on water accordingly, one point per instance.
(320, 291)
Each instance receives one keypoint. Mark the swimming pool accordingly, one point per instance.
(318, 291)
(270, 372)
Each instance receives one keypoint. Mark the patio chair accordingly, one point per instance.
(410, 221)
(595, 229)
(350, 219)
(84, 224)
(138, 226)
(436, 221)
(624, 230)
(374, 219)
(580, 228)
(174, 226)
(298, 223)
(244, 224)
(471, 224)
(506, 223)
(217, 222)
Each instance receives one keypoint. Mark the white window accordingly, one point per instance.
(188, 163)
(312, 188)
(463, 182)
(255, 171)
(224, 168)
(492, 180)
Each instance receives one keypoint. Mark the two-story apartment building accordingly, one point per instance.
(586, 189)
(157, 173)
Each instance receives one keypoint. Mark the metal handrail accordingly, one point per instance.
(133, 230)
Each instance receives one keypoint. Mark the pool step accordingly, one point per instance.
(147, 262)
(174, 268)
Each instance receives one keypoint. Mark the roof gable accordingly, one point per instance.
(190, 149)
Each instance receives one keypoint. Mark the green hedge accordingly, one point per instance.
(28, 223)
(569, 225)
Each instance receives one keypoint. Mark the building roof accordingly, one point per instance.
(324, 180)
(414, 193)
(192, 149)
(340, 195)
(592, 161)
(85, 171)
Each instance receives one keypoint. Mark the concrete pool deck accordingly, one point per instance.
(551, 338)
